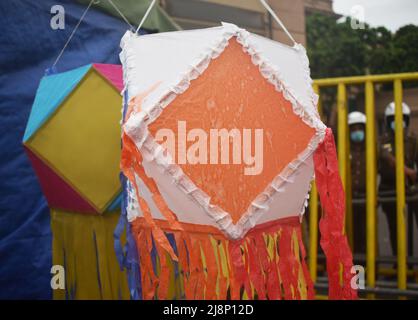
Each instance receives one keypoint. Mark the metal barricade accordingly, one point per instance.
(371, 173)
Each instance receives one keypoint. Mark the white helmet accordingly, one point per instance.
(356, 117)
(390, 109)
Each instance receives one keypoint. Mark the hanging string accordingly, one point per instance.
(263, 2)
(73, 32)
(273, 14)
(81, 20)
(145, 16)
(122, 15)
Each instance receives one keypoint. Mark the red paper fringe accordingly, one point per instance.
(269, 263)
(333, 241)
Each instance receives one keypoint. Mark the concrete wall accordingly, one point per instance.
(410, 96)
(292, 14)
(382, 99)
(323, 6)
(249, 14)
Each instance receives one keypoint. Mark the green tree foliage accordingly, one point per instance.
(405, 42)
(336, 49)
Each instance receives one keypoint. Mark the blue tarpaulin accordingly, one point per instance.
(28, 46)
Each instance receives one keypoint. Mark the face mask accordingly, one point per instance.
(357, 136)
(392, 125)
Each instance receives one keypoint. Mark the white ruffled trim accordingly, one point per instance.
(137, 128)
(307, 197)
(307, 76)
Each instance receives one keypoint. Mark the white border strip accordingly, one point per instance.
(137, 128)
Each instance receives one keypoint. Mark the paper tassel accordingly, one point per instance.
(333, 240)
(83, 246)
(268, 263)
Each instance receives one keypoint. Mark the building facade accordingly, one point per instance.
(249, 14)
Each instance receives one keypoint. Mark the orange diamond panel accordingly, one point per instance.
(232, 95)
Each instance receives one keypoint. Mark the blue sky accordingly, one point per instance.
(390, 13)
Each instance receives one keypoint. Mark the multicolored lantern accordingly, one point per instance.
(220, 140)
(72, 138)
(73, 141)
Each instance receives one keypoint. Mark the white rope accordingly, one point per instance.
(73, 32)
(273, 14)
(263, 2)
(145, 16)
(122, 15)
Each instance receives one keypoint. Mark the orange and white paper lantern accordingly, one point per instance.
(221, 138)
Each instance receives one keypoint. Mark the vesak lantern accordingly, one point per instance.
(72, 138)
(221, 138)
(73, 141)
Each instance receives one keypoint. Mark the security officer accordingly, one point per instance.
(387, 168)
(357, 126)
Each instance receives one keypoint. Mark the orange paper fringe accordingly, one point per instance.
(268, 263)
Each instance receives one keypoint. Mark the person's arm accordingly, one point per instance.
(389, 159)
(411, 174)
(416, 158)
(385, 155)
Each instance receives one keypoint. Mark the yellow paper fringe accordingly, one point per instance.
(207, 266)
(83, 245)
